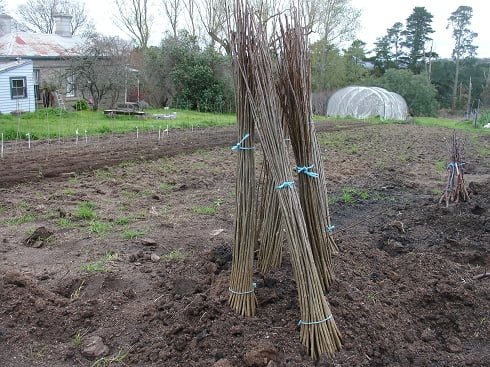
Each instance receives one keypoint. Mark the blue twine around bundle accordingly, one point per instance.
(285, 184)
(452, 166)
(238, 146)
(301, 322)
(330, 228)
(306, 171)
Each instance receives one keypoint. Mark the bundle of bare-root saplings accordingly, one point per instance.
(273, 100)
(455, 190)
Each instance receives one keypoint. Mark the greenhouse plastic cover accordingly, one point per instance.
(364, 102)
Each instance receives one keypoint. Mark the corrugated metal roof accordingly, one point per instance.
(13, 64)
(34, 45)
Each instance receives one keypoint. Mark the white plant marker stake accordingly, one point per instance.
(137, 133)
(192, 128)
(2, 147)
(76, 133)
(29, 140)
(86, 137)
(159, 133)
(166, 130)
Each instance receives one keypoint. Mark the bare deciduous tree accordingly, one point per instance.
(215, 13)
(190, 7)
(38, 15)
(101, 70)
(134, 18)
(460, 21)
(172, 9)
(333, 20)
(213, 19)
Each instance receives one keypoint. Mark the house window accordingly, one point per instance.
(70, 85)
(35, 77)
(18, 87)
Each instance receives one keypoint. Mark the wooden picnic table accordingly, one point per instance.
(124, 111)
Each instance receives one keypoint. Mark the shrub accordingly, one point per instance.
(200, 76)
(81, 105)
(417, 90)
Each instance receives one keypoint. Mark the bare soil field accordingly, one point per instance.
(117, 253)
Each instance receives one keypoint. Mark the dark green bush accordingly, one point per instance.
(81, 105)
(417, 90)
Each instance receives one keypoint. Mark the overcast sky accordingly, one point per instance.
(377, 16)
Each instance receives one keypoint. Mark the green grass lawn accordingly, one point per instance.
(449, 123)
(424, 121)
(51, 123)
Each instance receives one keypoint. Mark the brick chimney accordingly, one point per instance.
(5, 24)
(62, 25)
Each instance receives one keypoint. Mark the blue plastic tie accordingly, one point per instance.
(330, 228)
(452, 166)
(238, 146)
(285, 184)
(301, 322)
(306, 171)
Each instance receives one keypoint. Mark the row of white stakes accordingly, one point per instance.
(28, 135)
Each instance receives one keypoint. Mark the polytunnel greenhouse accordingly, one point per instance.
(364, 102)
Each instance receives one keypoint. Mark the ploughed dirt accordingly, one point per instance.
(118, 253)
(24, 163)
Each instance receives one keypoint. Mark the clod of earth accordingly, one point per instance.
(94, 347)
(261, 355)
(38, 238)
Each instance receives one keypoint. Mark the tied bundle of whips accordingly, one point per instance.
(294, 88)
(319, 332)
(242, 297)
(455, 190)
(270, 226)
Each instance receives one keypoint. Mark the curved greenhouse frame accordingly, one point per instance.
(364, 102)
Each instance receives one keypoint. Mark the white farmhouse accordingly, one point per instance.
(17, 87)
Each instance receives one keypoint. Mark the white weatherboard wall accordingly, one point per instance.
(16, 69)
